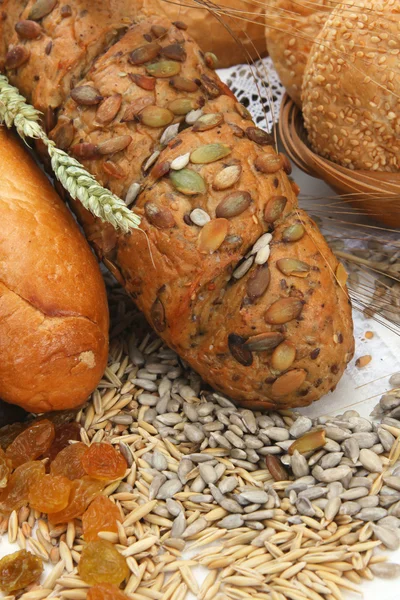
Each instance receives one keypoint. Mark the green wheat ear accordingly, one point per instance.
(80, 184)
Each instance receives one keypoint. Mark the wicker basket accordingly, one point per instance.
(376, 194)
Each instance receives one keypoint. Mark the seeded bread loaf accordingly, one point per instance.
(53, 307)
(226, 267)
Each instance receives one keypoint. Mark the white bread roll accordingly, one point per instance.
(53, 307)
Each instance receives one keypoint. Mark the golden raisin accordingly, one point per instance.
(5, 468)
(83, 491)
(102, 515)
(16, 492)
(103, 461)
(64, 433)
(68, 462)
(105, 591)
(102, 563)
(50, 493)
(34, 441)
(18, 570)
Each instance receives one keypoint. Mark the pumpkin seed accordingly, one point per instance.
(108, 109)
(258, 283)
(182, 106)
(156, 116)
(183, 84)
(209, 153)
(188, 182)
(288, 383)
(243, 112)
(308, 442)
(159, 216)
(260, 137)
(284, 310)
(233, 204)
(293, 233)
(208, 121)
(28, 30)
(41, 8)
(180, 162)
(274, 208)
(143, 81)
(164, 68)
(239, 350)
(199, 217)
(115, 144)
(283, 356)
(174, 52)
(86, 95)
(63, 134)
(16, 57)
(268, 163)
(158, 30)
(264, 341)
(293, 267)
(210, 86)
(212, 235)
(227, 177)
(144, 54)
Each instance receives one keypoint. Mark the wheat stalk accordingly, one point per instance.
(82, 186)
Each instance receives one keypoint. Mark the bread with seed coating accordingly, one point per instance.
(268, 331)
(53, 308)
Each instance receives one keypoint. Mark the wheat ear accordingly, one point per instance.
(82, 186)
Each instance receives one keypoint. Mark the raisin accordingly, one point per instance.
(105, 591)
(83, 491)
(31, 443)
(103, 461)
(102, 515)
(5, 469)
(102, 563)
(50, 493)
(18, 570)
(68, 462)
(64, 433)
(8, 433)
(16, 492)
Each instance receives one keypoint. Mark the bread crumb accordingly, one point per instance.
(363, 361)
(369, 335)
(88, 358)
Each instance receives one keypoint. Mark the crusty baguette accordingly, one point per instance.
(184, 277)
(53, 308)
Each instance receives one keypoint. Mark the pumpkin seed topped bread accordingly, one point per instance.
(226, 267)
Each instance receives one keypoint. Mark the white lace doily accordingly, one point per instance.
(258, 88)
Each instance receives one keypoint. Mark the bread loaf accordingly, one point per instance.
(291, 29)
(351, 90)
(235, 33)
(215, 201)
(53, 309)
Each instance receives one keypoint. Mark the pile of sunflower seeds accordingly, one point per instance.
(277, 506)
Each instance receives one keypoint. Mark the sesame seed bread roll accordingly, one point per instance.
(291, 29)
(53, 308)
(235, 36)
(351, 89)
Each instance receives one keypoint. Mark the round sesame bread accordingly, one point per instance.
(291, 29)
(351, 88)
